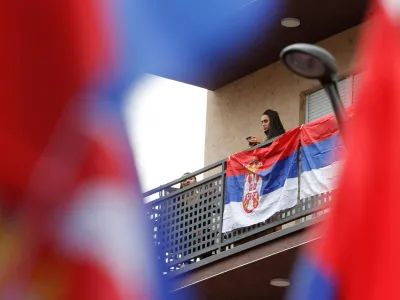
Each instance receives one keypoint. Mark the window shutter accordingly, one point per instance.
(319, 105)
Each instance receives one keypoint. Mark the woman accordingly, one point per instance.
(272, 126)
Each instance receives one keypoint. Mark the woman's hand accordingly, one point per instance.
(254, 140)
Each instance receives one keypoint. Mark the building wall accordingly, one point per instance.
(234, 111)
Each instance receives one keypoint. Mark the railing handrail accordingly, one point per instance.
(187, 188)
(200, 171)
(179, 180)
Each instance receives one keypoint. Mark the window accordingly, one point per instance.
(318, 104)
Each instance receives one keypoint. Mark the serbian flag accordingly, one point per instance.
(358, 256)
(320, 152)
(261, 182)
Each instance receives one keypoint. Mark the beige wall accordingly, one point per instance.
(234, 111)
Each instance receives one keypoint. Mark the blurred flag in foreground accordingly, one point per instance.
(71, 218)
(358, 257)
(71, 221)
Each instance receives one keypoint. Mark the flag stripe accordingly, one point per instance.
(319, 155)
(319, 130)
(318, 181)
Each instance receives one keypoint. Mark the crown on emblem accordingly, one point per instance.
(253, 165)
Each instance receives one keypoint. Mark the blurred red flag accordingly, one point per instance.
(358, 257)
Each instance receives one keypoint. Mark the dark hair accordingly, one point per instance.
(275, 124)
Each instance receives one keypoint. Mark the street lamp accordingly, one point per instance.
(313, 62)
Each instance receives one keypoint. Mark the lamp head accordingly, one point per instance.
(310, 61)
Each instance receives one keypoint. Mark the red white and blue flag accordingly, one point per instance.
(261, 182)
(320, 153)
(358, 256)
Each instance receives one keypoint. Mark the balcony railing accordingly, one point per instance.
(187, 222)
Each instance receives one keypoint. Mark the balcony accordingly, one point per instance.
(196, 254)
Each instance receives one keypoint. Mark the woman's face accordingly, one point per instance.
(265, 122)
(188, 182)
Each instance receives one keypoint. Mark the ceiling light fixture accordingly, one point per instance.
(280, 282)
(290, 22)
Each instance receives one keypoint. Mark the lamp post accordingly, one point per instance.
(313, 62)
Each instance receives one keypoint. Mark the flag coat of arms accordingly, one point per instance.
(261, 182)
